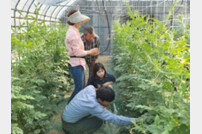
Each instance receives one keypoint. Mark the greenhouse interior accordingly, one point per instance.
(142, 46)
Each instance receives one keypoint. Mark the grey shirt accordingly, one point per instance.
(89, 45)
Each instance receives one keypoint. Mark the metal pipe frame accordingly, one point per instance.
(47, 8)
(53, 12)
(15, 11)
(34, 13)
(37, 19)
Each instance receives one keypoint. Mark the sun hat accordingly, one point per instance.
(78, 17)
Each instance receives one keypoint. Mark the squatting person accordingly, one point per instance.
(86, 112)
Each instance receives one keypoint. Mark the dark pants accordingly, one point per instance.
(77, 73)
(90, 67)
(87, 125)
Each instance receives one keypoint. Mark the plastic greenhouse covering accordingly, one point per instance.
(102, 12)
(50, 10)
(53, 10)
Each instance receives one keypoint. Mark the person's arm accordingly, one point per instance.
(111, 77)
(106, 115)
(97, 45)
(110, 81)
(75, 46)
(93, 52)
(107, 83)
(79, 52)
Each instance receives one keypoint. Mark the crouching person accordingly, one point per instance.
(86, 112)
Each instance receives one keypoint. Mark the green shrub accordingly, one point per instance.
(39, 76)
(152, 65)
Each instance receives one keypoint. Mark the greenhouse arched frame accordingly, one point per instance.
(101, 12)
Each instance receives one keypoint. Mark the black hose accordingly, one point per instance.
(109, 31)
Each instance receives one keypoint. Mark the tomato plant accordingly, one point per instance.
(152, 64)
(39, 77)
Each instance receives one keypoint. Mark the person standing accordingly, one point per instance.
(90, 40)
(75, 48)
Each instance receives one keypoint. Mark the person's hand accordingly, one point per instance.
(137, 120)
(107, 83)
(94, 52)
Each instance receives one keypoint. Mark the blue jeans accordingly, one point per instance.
(79, 81)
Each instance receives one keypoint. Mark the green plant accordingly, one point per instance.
(152, 66)
(39, 75)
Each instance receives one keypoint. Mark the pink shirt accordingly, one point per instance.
(75, 47)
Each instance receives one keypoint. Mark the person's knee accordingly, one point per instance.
(65, 131)
(99, 122)
(64, 127)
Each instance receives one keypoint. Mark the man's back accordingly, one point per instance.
(80, 105)
(85, 103)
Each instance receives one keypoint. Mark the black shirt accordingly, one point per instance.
(98, 82)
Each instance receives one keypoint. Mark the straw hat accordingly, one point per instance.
(78, 17)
